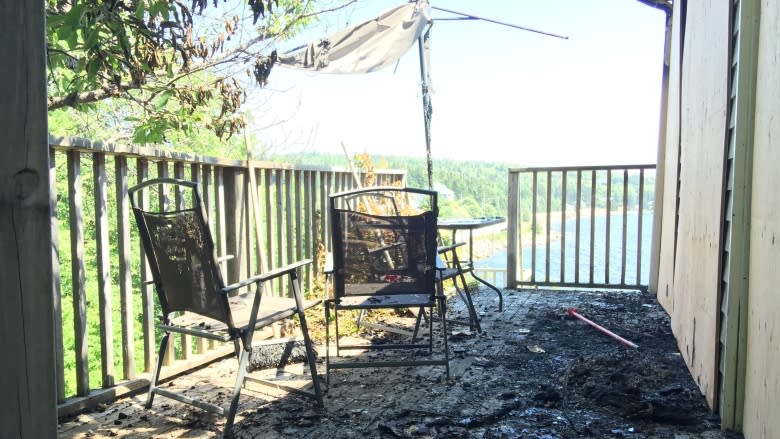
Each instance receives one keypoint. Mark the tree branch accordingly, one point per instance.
(74, 99)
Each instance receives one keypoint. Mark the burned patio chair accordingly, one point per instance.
(385, 261)
(449, 266)
(193, 297)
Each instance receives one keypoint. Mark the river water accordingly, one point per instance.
(498, 259)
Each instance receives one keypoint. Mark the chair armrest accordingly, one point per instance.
(273, 274)
(448, 248)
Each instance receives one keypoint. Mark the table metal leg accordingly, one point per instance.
(471, 264)
(491, 286)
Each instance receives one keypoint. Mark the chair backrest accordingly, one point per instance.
(179, 247)
(381, 253)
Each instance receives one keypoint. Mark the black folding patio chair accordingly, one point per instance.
(193, 297)
(385, 260)
(448, 264)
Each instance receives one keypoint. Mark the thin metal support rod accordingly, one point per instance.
(502, 23)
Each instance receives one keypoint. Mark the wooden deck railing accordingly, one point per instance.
(98, 262)
(586, 227)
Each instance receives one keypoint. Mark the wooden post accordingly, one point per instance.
(235, 219)
(27, 377)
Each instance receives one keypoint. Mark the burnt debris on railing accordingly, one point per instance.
(99, 283)
(580, 226)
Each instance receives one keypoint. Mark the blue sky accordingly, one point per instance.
(499, 94)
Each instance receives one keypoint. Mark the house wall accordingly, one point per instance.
(691, 249)
(762, 385)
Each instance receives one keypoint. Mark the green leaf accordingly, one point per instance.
(155, 8)
(73, 17)
(92, 69)
(55, 21)
(139, 9)
(72, 40)
(162, 100)
(64, 32)
(91, 39)
(165, 11)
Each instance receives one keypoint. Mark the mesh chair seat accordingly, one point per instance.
(386, 301)
(272, 309)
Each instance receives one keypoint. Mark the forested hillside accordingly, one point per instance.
(479, 188)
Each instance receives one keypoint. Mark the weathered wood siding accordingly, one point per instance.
(669, 170)
(27, 374)
(762, 389)
(690, 291)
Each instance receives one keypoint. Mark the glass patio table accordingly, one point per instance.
(470, 224)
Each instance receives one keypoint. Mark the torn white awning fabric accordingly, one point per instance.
(366, 47)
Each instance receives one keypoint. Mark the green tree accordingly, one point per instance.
(176, 67)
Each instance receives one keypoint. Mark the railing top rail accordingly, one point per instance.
(156, 154)
(582, 168)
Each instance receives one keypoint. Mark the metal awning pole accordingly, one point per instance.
(426, 99)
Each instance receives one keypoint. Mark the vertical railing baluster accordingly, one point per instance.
(100, 191)
(290, 211)
(196, 175)
(563, 226)
(623, 267)
(179, 201)
(547, 228)
(59, 350)
(207, 185)
(592, 226)
(178, 173)
(279, 221)
(514, 224)
(164, 204)
(608, 231)
(269, 215)
(147, 302)
(533, 226)
(125, 267)
(299, 208)
(219, 175)
(307, 232)
(640, 215)
(78, 272)
(259, 215)
(578, 216)
(324, 214)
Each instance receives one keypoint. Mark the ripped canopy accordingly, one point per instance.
(366, 47)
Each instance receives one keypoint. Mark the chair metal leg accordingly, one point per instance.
(231, 414)
(443, 315)
(417, 321)
(336, 328)
(327, 343)
(311, 358)
(156, 376)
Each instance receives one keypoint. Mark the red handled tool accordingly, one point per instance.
(573, 312)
